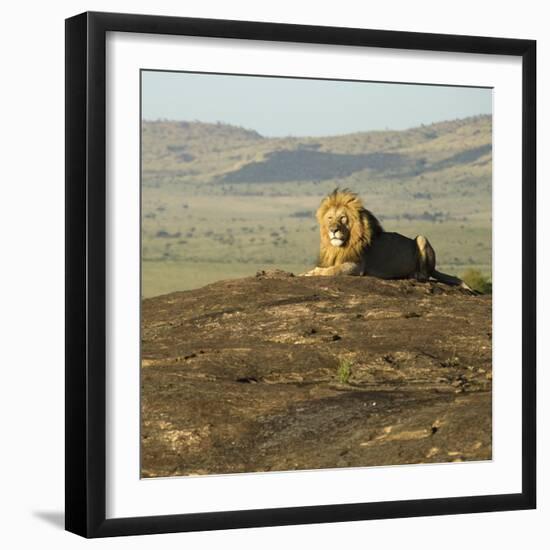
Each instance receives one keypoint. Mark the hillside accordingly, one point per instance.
(222, 201)
(275, 372)
(198, 152)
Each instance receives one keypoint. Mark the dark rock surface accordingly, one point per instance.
(276, 372)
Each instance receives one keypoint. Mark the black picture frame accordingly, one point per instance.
(86, 274)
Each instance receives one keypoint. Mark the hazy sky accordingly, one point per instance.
(298, 107)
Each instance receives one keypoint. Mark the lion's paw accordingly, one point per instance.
(311, 272)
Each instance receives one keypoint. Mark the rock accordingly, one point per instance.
(273, 273)
(242, 375)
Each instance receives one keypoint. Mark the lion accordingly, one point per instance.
(353, 242)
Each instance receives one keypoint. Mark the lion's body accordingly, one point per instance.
(391, 256)
(353, 242)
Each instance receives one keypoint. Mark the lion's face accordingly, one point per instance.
(337, 224)
(346, 227)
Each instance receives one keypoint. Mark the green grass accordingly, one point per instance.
(163, 277)
(343, 373)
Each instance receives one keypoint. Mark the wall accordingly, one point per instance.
(31, 311)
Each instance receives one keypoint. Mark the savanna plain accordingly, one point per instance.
(221, 202)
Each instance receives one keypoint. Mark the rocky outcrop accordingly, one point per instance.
(276, 372)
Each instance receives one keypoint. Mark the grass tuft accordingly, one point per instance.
(344, 371)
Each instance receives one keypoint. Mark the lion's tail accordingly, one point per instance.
(452, 280)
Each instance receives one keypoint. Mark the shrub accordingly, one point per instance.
(477, 281)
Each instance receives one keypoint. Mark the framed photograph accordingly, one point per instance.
(300, 274)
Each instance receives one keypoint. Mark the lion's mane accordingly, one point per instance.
(363, 227)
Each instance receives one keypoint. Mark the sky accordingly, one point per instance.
(278, 106)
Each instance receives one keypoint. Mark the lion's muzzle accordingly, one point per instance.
(337, 236)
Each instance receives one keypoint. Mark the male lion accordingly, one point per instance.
(354, 243)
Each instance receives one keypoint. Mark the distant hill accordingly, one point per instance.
(197, 152)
